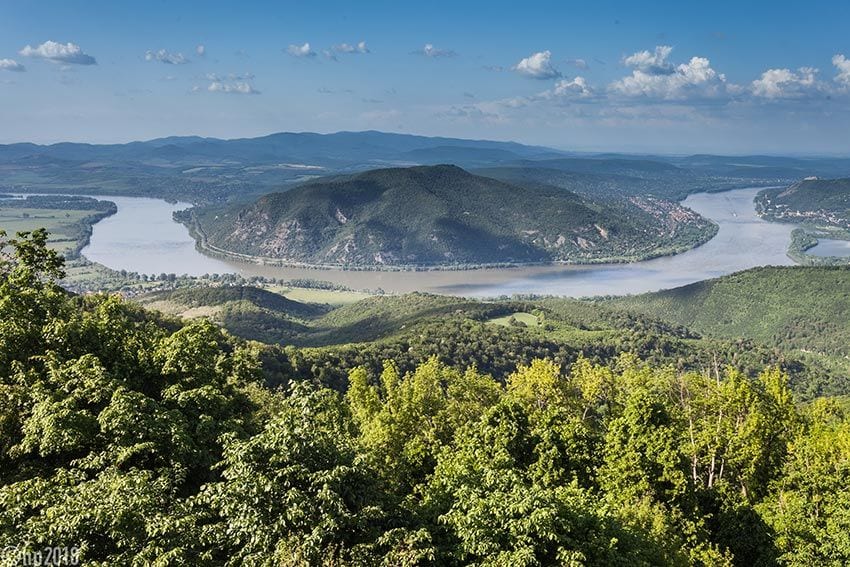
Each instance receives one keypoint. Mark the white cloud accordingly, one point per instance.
(579, 64)
(237, 87)
(346, 48)
(69, 53)
(537, 66)
(11, 65)
(843, 65)
(557, 99)
(576, 87)
(201, 50)
(652, 63)
(428, 50)
(654, 77)
(166, 57)
(301, 50)
(784, 83)
(215, 77)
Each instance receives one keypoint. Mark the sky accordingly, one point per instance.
(665, 77)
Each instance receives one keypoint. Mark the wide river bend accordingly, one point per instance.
(142, 237)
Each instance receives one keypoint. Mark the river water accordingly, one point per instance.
(828, 247)
(142, 237)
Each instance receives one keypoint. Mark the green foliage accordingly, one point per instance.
(142, 441)
(808, 506)
(109, 417)
(790, 308)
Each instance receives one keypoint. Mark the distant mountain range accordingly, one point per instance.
(444, 215)
(214, 170)
(303, 148)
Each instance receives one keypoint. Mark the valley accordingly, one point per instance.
(425, 284)
(600, 297)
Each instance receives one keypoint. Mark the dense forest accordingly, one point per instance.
(310, 341)
(138, 439)
(793, 308)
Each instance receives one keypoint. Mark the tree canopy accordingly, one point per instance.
(142, 440)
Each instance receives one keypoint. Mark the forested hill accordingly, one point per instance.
(443, 215)
(804, 308)
(129, 438)
(823, 201)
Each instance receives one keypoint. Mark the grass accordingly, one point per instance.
(331, 297)
(512, 320)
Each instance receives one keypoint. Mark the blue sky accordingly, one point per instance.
(675, 77)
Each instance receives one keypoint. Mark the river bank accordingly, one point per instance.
(143, 237)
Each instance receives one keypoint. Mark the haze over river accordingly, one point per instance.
(142, 237)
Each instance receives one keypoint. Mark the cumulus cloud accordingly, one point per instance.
(301, 50)
(67, 53)
(651, 62)
(579, 64)
(537, 66)
(561, 96)
(655, 77)
(351, 49)
(576, 87)
(201, 50)
(842, 64)
(164, 56)
(784, 83)
(11, 65)
(428, 50)
(236, 87)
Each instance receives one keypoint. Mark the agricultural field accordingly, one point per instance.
(68, 220)
(60, 223)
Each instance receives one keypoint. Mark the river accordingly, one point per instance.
(827, 247)
(142, 237)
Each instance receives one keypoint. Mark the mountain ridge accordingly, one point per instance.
(443, 215)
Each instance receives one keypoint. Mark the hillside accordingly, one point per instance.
(248, 312)
(807, 309)
(129, 438)
(323, 343)
(443, 215)
(823, 201)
